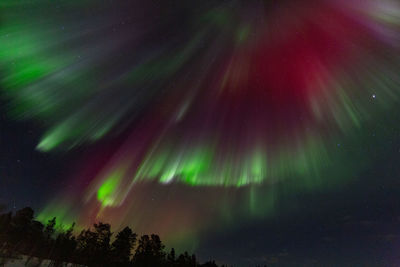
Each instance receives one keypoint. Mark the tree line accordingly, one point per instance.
(21, 234)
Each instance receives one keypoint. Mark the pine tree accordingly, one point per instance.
(121, 248)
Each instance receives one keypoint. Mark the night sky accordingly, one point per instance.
(249, 132)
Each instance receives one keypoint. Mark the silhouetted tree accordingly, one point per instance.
(103, 248)
(185, 260)
(20, 226)
(121, 248)
(150, 252)
(64, 248)
(171, 258)
(47, 243)
(34, 241)
(21, 234)
(94, 246)
(86, 247)
(50, 228)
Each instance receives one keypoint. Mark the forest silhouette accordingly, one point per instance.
(21, 234)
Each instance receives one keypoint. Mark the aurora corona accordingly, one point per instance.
(245, 95)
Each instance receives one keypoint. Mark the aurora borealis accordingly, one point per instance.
(186, 116)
